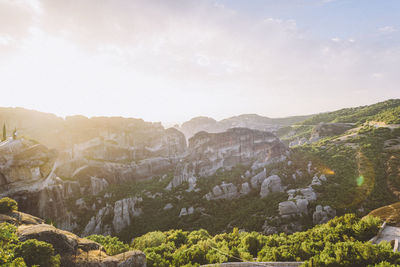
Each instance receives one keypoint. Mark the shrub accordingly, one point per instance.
(8, 205)
(36, 252)
(112, 245)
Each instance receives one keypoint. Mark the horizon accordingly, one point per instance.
(169, 124)
(172, 62)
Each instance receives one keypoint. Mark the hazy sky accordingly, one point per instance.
(171, 60)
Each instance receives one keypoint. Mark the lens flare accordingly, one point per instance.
(328, 171)
(360, 180)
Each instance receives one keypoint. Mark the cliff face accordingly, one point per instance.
(66, 183)
(47, 182)
(209, 152)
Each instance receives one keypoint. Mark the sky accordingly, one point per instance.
(171, 60)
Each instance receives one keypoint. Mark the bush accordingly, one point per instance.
(8, 205)
(36, 252)
(112, 245)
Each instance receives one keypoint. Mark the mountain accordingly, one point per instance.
(386, 112)
(126, 177)
(251, 121)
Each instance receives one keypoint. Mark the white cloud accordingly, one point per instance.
(387, 29)
(153, 59)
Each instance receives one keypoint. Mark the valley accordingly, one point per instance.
(128, 178)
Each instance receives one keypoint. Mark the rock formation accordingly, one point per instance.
(74, 251)
(209, 152)
(270, 185)
(223, 191)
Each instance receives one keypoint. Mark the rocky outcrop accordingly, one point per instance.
(270, 185)
(186, 211)
(323, 214)
(124, 211)
(302, 193)
(209, 152)
(74, 251)
(23, 162)
(318, 180)
(329, 129)
(257, 179)
(223, 191)
(114, 218)
(289, 208)
(245, 189)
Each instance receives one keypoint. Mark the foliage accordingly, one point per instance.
(385, 111)
(39, 253)
(28, 253)
(344, 236)
(112, 245)
(8, 205)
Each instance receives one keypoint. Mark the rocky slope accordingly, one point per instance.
(145, 178)
(74, 251)
(209, 152)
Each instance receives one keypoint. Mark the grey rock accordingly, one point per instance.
(323, 214)
(271, 184)
(183, 212)
(288, 208)
(245, 189)
(124, 210)
(258, 179)
(168, 206)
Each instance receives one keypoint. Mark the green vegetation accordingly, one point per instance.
(359, 169)
(340, 242)
(8, 205)
(386, 111)
(248, 212)
(28, 253)
(112, 245)
(39, 253)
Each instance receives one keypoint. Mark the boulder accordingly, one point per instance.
(223, 191)
(63, 242)
(183, 212)
(245, 189)
(270, 185)
(323, 214)
(288, 208)
(316, 181)
(257, 179)
(168, 206)
(217, 191)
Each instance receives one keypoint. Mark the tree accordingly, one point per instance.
(36, 252)
(8, 205)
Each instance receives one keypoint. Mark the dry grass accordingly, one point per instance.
(390, 213)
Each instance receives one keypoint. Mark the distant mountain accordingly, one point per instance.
(251, 121)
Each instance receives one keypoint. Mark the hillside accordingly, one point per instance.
(387, 112)
(27, 241)
(140, 178)
(251, 121)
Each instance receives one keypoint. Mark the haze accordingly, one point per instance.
(173, 60)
